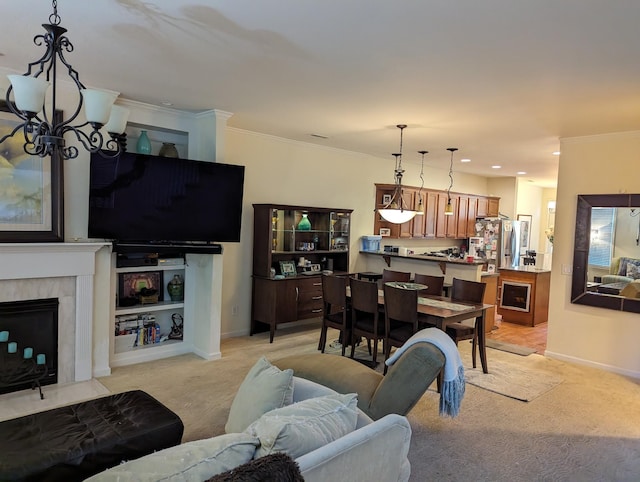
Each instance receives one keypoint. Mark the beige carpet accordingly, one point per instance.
(587, 428)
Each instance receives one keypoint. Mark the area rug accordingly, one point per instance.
(510, 347)
(514, 376)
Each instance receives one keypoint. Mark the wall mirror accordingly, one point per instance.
(607, 228)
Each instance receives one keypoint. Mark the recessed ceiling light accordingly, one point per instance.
(556, 153)
(496, 167)
(166, 103)
(465, 160)
(521, 173)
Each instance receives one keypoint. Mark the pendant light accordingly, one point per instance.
(448, 210)
(396, 211)
(42, 130)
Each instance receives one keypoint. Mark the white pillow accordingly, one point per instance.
(264, 388)
(304, 426)
(192, 461)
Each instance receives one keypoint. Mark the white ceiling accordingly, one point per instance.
(502, 80)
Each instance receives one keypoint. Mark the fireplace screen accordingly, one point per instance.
(29, 331)
(515, 296)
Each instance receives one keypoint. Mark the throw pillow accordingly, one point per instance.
(197, 460)
(264, 388)
(278, 467)
(305, 426)
(633, 270)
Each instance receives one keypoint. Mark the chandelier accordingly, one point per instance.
(43, 131)
(396, 210)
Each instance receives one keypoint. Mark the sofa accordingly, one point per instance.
(323, 431)
(623, 270)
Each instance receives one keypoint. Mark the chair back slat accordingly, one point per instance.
(334, 291)
(364, 295)
(390, 275)
(434, 284)
(465, 290)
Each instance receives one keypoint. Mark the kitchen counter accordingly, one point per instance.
(433, 265)
(527, 269)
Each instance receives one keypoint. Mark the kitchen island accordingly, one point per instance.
(524, 295)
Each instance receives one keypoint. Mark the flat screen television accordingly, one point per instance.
(139, 198)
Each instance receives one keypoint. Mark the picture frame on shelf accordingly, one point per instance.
(385, 231)
(130, 286)
(288, 268)
(386, 199)
(31, 194)
(315, 268)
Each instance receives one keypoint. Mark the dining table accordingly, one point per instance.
(443, 311)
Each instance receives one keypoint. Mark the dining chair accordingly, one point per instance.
(435, 284)
(366, 319)
(472, 292)
(400, 317)
(335, 311)
(390, 275)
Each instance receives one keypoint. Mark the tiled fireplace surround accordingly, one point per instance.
(57, 270)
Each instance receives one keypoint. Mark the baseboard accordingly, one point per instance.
(592, 364)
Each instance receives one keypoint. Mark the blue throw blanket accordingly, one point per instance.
(452, 389)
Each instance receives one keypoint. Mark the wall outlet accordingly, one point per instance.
(567, 269)
(234, 310)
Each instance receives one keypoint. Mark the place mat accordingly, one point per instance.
(442, 304)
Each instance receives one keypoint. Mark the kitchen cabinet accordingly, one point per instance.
(523, 295)
(433, 223)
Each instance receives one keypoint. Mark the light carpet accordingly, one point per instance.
(511, 375)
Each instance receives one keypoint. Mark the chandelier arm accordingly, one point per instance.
(92, 142)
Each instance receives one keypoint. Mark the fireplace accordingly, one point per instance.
(31, 329)
(515, 296)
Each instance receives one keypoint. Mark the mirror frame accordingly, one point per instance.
(579, 293)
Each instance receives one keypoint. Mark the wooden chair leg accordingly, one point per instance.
(353, 345)
(323, 338)
(344, 340)
(439, 380)
(375, 350)
(369, 345)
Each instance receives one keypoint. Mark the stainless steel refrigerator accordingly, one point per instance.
(498, 241)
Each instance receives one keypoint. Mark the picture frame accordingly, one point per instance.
(315, 268)
(526, 229)
(386, 199)
(129, 285)
(385, 231)
(31, 203)
(288, 268)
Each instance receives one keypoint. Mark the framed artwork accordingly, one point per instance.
(315, 268)
(130, 284)
(31, 189)
(386, 199)
(385, 231)
(526, 229)
(288, 268)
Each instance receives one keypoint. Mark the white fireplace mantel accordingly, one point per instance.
(26, 261)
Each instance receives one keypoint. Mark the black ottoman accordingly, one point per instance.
(74, 442)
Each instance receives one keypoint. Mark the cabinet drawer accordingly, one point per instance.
(310, 300)
(312, 284)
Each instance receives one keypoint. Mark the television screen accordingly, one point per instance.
(141, 198)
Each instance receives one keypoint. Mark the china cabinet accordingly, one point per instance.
(292, 247)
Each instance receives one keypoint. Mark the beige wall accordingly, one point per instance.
(595, 336)
(289, 172)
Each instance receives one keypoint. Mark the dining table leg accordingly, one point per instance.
(482, 345)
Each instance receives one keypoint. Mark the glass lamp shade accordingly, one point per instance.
(448, 210)
(97, 105)
(397, 216)
(118, 120)
(28, 92)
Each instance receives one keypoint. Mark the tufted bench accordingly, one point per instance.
(74, 442)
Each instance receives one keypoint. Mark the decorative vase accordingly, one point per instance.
(175, 288)
(304, 224)
(168, 149)
(144, 144)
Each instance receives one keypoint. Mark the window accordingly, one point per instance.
(602, 231)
